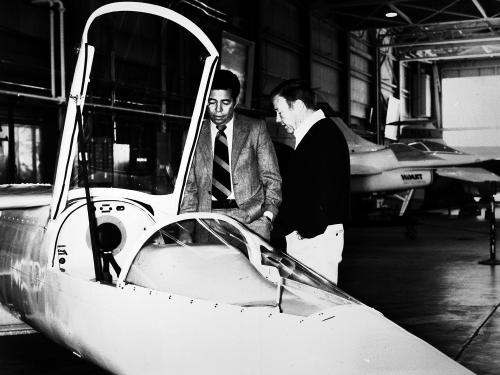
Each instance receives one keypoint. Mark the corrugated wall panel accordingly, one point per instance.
(280, 46)
(281, 18)
(325, 40)
(277, 64)
(361, 78)
(326, 80)
(326, 67)
(360, 97)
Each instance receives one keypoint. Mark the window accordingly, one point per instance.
(237, 55)
(140, 102)
(27, 153)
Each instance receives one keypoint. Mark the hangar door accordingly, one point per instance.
(471, 111)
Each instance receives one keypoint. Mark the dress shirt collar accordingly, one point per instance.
(307, 124)
(228, 132)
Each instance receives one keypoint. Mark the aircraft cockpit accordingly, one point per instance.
(432, 146)
(213, 258)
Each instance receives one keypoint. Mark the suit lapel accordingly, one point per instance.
(240, 135)
(205, 145)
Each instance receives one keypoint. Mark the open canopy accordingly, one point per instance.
(142, 150)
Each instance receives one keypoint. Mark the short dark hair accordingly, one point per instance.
(296, 89)
(227, 80)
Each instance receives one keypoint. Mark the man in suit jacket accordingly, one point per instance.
(316, 189)
(252, 191)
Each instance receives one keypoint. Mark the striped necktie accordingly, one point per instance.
(221, 177)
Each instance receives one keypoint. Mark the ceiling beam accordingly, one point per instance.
(441, 42)
(377, 19)
(358, 25)
(329, 4)
(452, 57)
(481, 10)
(401, 13)
(458, 23)
(443, 10)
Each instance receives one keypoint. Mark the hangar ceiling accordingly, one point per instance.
(423, 29)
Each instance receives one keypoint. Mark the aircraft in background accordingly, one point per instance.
(479, 178)
(396, 169)
(101, 270)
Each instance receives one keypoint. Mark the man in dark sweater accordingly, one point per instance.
(316, 189)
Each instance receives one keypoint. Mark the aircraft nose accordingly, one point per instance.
(375, 345)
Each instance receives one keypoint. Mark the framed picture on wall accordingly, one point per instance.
(237, 55)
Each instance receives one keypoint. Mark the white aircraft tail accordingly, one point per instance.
(356, 143)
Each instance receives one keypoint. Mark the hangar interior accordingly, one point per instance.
(438, 61)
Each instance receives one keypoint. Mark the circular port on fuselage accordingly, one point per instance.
(109, 236)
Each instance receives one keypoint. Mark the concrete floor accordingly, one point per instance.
(432, 286)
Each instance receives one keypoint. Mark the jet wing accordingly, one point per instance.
(25, 195)
(483, 152)
(475, 175)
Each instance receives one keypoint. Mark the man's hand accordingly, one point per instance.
(269, 215)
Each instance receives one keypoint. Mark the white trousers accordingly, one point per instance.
(322, 253)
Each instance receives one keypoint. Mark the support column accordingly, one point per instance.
(380, 136)
(492, 260)
(437, 95)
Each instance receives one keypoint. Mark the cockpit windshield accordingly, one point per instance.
(139, 103)
(213, 259)
(431, 146)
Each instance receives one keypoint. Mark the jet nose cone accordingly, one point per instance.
(365, 342)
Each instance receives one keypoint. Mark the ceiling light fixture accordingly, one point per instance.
(391, 14)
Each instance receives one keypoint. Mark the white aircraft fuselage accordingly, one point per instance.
(127, 329)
